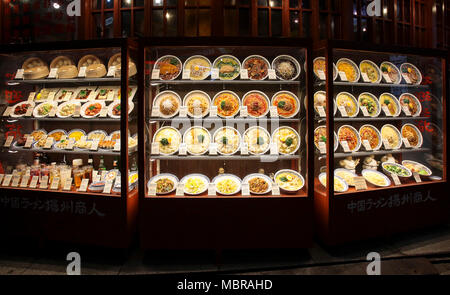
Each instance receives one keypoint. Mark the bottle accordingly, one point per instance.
(77, 172)
(88, 169)
(134, 166)
(101, 165)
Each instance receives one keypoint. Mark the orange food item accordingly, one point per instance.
(93, 109)
(286, 104)
(256, 104)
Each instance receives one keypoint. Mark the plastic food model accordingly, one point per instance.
(169, 140)
(94, 66)
(229, 67)
(388, 158)
(371, 71)
(199, 66)
(350, 70)
(257, 139)
(390, 70)
(349, 163)
(286, 139)
(256, 103)
(286, 103)
(116, 61)
(168, 103)
(34, 68)
(228, 140)
(227, 104)
(257, 67)
(66, 67)
(169, 67)
(197, 140)
(286, 67)
(370, 163)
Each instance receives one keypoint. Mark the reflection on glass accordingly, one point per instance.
(190, 22)
(263, 22)
(171, 21)
(244, 21)
(157, 23)
(276, 22)
(126, 23)
(294, 23)
(109, 4)
(204, 22)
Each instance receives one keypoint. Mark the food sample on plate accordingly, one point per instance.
(106, 144)
(411, 72)
(227, 104)
(396, 169)
(257, 67)
(94, 66)
(371, 134)
(349, 68)
(20, 141)
(289, 180)
(227, 185)
(320, 100)
(57, 134)
(286, 67)
(116, 61)
(132, 142)
(43, 94)
(115, 135)
(38, 134)
(62, 144)
(197, 140)
(346, 100)
(200, 67)
(392, 135)
(346, 175)
(390, 70)
(195, 184)
(63, 92)
(257, 103)
(369, 101)
(83, 93)
(258, 184)
(390, 102)
(287, 104)
(67, 109)
(83, 144)
(169, 140)
(131, 93)
(371, 70)
(287, 140)
(229, 67)
(40, 143)
(349, 134)
(116, 110)
(257, 139)
(320, 135)
(228, 140)
(96, 135)
(93, 109)
(339, 184)
(164, 185)
(21, 109)
(197, 103)
(375, 177)
(103, 92)
(76, 134)
(319, 65)
(412, 134)
(169, 67)
(35, 68)
(168, 103)
(415, 167)
(43, 109)
(410, 102)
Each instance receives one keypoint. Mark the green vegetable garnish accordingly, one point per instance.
(283, 179)
(223, 105)
(323, 138)
(406, 100)
(260, 140)
(387, 101)
(384, 69)
(281, 104)
(164, 141)
(102, 92)
(289, 141)
(224, 140)
(201, 138)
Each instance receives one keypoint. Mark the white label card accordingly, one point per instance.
(92, 95)
(55, 183)
(155, 111)
(52, 112)
(322, 147)
(29, 111)
(103, 174)
(406, 110)
(84, 185)
(321, 75)
(117, 146)
(395, 179)
(1, 177)
(48, 143)
(110, 96)
(386, 144)
(82, 72)
(183, 111)
(365, 77)
(244, 74)
(31, 96)
(344, 145)
(273, 111)
(343, 111)
(7, 180)
(53, 73)
(213, 149)
(180, 190)
(15, 181)
(19, 74)
(360, 183)
(67, 96)
(321, 111)
(155, 74)
(213, 111)
(417, 177)
(7, 111)
(152, 189)
(71, 143)
(94, 146)
(272, 74)
(34, 181)
(406, 77)
(8, 141)
(386, 111)
(245, 188)
(183, 149)
(108, 187)
(214, 73)
(44, 182)
(211, 189)
(244, 149)
(24, 182)
(29, 142)
(386, 78)
(366, 145)
(406, 142)
(275, 190)
(186, 74)
(77, 111)
(244, 111)
(364, 111)
(67, 184)
(343, 76)
(111, 71)
(51, 97)
(155, 148)
(273, 148)
(103, 113)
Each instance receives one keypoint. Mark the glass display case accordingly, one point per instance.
(225, 147)
(69, 140)
(385, 109)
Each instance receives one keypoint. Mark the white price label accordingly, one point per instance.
(244, 149)
(92, 95)
(183, 111)
(245, 189)
(76, 113)
(155, 148)
(214, 74)
(273, 111)
(155, 111)
(343, 76)
(364, 111)
(25, 180)
(365, 77)
(182, 149)
(417, 177)
(34, 181)
(70, 144)
(8, 141)
(29, 111)
(111, 71)
(55, 183)
(28, 142)
(386, 78)
(152, 189)
(7, 180)
(51, 96)
(48, 143)
(7, 112)
(1, 177)
(94, 146)
(344, 145)
(395, 179)
(213, 148)
(31, 96)
(211, 189)
(321, 111)
(406, 77)
(103, 113)
(386, 111)
(322, 147)
(386, 144)
(406, 110)
(343, 111)
(84, 185)
(406, 142)
(82, 72)
(360, 183)
(366, 145)
(43, 184)
(186, 74)
(15, 181)
(213, 111)
(110, 96)
(52, 112)
(244, 74)
(180, 190)
(244, 111)
(273, 148)
(155, 74)
(67, 184)
(275, 190)
(67, 96)
(117, 146)
(53, 73)
(321, 75)
(19, 74)
(272, 75)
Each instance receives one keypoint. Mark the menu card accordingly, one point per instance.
(180, 190)
(29, 112)
(24, 182)
(243, 112)
(82, 72)
(406, 110)
(360, 183)
(366, 145)
(76, 113)
(275, 190)
(8, 141)
(84, 185)
(19, 74)
(345, 146)
(67, 184)
(211, 189)
(94, 145)
(7, 180)
(395, 179)
(44, 182)
(34, 181)
(103, 112)
(417, 177)
(343, 111)
(155, 74)
(343, 76)
(48, 143)
(245, 189)
(110, 96)
(244, 74)
(273, 148)
(272, 75)
(406, 77)
(186, 74)
(152, 189)
(273, 111)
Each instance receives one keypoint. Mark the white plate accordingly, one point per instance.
(232, 93)
(79, 89)
(264, 96)
(296, 134)
(200, 57)
(61, 106)
(399, 108)
(325, 94)
(419, 134)
(293, 172)
(345, 171)
(220, 177)
(94, 132)
(89, 103)
(255, 175)
(36, 109)
(399, 79)
(376, 102)
(186, 134)
(403, 65)
(380, 141)
(178, 133)
(31, 105)
(112, 105)
(397, 165)
(56, 130)
(159, 97)
(237, 134)
(322, 177)
(358, 74)
(404, 162)
(204, 179)
(398, 133)
(265, 131)
(293, 60)
(336, 144)
(202, 93)
(289, 93)
(231, 57)
(261, 57)
(115, 89)
(358, 145)
(419, 109)
(352, 98)
(367, 171)
(335, 71)
(59, 95)
(376, 68)
(169, 56)
(172, 177)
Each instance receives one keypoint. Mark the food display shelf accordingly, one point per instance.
(379, 152)
(80, 152)
(370, 119)
(82, 81)
(239, 158)
(228, 120)
(363, 84)
(56, 119)
(220, 82)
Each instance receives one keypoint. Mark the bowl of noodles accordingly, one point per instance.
(410, 102)
(376, 178)
(168, 102)
(227, 184)
(340, 185)
(228, 140)
(199, 66)
(372, 135)
(347, 175)
(197, 140)
(412, 134)
(349, 68)
(319, 65)
(287, 103)
(348, 101)
(391, 134)
(286, 67)
(259, 184)
(351, 136)
(289, 181)
(257, 103)
(227, 103)
(389, 101)
(197, 103)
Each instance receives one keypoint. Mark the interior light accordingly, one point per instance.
(56, 5)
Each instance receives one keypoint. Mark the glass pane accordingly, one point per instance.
(323, 26)
(263, 22)
(364, 33)
(244, 2)
(323, 4)
(306, 23)
(190, 2)
(204, 24)
(306, 4)
(275, 3)
(293, 3)
(171, 2)
(244, 22)
(263, 3)
(157, 23)
(109, 4)
(126, 3)
(158, 2)
(171, 22)
(126, 23)
(98, 25)
(294, 23)
(276, 22)
(190, 22)
(230, 22)
(204, 2)
(139, 23)
(97, 4)
(109, 25)
(139, 3)
(229, 2)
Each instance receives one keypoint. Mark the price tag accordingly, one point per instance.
(155, 148)
(110, 96)
(406, 110)
(386, 78)
(8, 141)
(15, 181)
(67, 184)
(117, 181)
(386, 111)
(71, 143)
(52, 112)
(244, 74)
(92, 95)
(7, 111)
(395, 179)
(103, 112)
(243, 112)
(48, 143)
(76, 113)
(84, 185)
(111, 71)
(213, 148)
(67, 96)
(7, 180)
(386, 144)
(155, 74)
(34, 181)
(213, 111)
(186, 74)
(365, 77)
(245, 189)
(364, 111)
(29, 112)
(156, 112)
(103, 174)
(273, 111)
(94, 146)
(272, 75)
(97, 178)
(406, 77)
(94, 174)
(244, 149)
(344, 145)
(417, 177)
(19, 74)
(53, 73)
(44, 182)
(183, 111)
(82, 72)
(343, 111)
(321, 75)
(24, 182)
(366, 145)
(1, 177)
(273, 148)
(31, 96)
(322, 147)
(275, 190)
(214, 74)
(183, 149)
(406, 142)
(197, 112)
(55, 183)
(152, 189)
(343, 76)
(51, 96)
(117, 146)
(321, 111)
(211, 189)
(180, 190)
(360, 183)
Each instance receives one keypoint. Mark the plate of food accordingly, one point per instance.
(412, 72)
(348, 101)
(257, 67)
(320, 100)
(103, 92)
(392, 135)
(287, 140)
(66, 67)
(114, 109)
(38, 134)
(372, 135)
(289, 181)
(410, 102)
(20, 109)
(67, 109)
(349, 68)
(65, 94)
(57, 134)
(195, 184)
(44, 109)
(371, 70)
(320, 135)
(168, 102)
(169, 140)
(259, 184)
(115, 135)
(169, 67)
(227, 184)
(92, 109)
(257, 103)
(198, 103)
(227, 103)
(199, 66)
(82, 93)
(76, 134)
(287, 103)
(106, 144)
(34, 68)
(394, 168)
(258, 140)
(416, 167)
(412, 134)
(376, 178)
(166, 183)
(94, 66)
(229, 67)
(391, 102)
(83, 144)
(97, 186)
(319, 65)
(62, 144)
(371, 103)
(391, 71)
(97, 135)
(44, 94)
(197, 140)
(347, 175)
(286, 67)
(132, 142)
(40, 143)
(340, 185)
(349, 134)
(228, 140)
